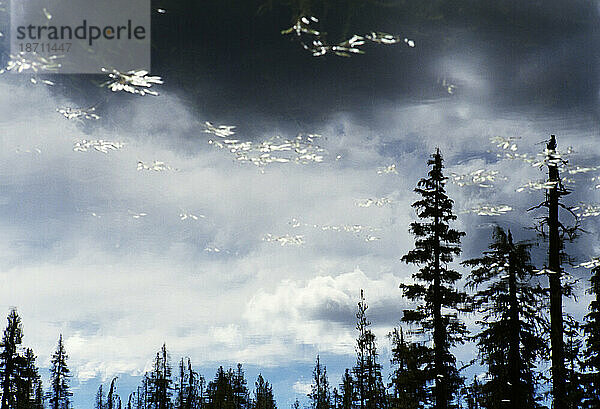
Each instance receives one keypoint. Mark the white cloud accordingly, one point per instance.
(322, 311)
(302, 388)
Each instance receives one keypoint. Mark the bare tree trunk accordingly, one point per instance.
(556, 318)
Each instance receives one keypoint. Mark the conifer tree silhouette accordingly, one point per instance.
(190, 387)
(368, 382)
(241, 395)
(347, 391)
(100, 403)
(159, 386)
(221, 392)
(21, 384)
(411, 372)
(513, 328)
(11, 339)
(592, 343)
(320, 395)
(263, 394)
(436, 244)
(60, 392)
(574, 355)
(29, 393)
(112, 398)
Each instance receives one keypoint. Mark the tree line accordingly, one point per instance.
(21, 383)
(522, 326)
(189, 390)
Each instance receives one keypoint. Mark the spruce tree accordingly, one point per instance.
(473, 396)
(347, 391)
(320, 395)
(220, 391)
(368, 382)
(436, 244)
(574, 388)
(100, 402)
(159, 381)
(29, 393)
(592, 343)
(190, 387)
(60, 393)
(11, 339)
(181, 400)
(38, 402)
(512, 338)
(130, 400)
(263, 394)
(336, 399)
(21, 384)
(112, 398)
(241, 395)
(411, 372)
(142, 401)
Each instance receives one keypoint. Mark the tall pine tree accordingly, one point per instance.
(29, 393)
(336, 399)
(320, 395)
(9, 358)
(220, 393)
(436, 244)
(160, 386)
(190, 387)
(60, 393)
(112, 398)
(369, 387)
(241, 395)
(263, 394)
(21, 384)
(512, 338)
(347, 391)
(574, 352)
(100, 398)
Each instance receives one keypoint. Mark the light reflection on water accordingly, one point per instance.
(386, 124)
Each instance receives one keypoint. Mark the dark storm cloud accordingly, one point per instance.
(385, 313)
(230, 58)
